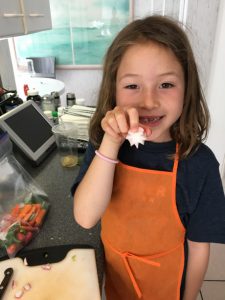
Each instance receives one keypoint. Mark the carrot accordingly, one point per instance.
(15, 211)
(32, 218)
(37, 205)
(24, 210)
(27, 216)
(40, 216)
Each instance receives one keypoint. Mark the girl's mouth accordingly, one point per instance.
(150, 121)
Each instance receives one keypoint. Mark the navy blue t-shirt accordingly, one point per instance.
(199, 194)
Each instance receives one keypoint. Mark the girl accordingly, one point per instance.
(163, 203)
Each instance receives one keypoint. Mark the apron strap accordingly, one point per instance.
(176, 160)
(126, 255)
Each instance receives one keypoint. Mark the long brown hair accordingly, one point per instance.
(192, 127)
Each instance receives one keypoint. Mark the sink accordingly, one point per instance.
(42, 85)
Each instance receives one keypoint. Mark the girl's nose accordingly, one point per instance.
(149, 100)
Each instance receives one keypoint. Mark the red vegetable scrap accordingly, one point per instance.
(46, 267)
(14, 284)
(18, 294)
(27, 287)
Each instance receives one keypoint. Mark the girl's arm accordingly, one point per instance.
(198, 258)
(94, 191)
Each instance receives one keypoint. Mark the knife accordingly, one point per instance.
(8, 274)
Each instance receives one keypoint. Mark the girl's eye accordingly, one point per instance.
(166, 85)
(131, 86)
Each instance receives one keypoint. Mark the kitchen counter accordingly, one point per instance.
(59, 227)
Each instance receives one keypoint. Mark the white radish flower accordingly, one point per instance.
(137, 137)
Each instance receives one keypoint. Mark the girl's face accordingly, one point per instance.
(151, 79)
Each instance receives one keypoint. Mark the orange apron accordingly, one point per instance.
(143, 236)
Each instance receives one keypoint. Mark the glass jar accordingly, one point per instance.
(47, 103)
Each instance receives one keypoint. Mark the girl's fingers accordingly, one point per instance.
(121, 119)
(133, 117)
(110, 120)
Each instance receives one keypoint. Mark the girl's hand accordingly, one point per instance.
(119, 121)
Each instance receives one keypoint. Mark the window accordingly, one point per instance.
(81, 32)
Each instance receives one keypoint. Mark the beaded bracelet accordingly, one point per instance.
(105, 158)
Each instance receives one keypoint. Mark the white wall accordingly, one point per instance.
(215, 91)
(202, 18)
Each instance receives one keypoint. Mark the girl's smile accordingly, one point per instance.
(151, 79)
(151, 121)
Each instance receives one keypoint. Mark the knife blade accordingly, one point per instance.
(8, 274)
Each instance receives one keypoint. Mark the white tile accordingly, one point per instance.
(199, 297)
(216, 268)
(213, 290)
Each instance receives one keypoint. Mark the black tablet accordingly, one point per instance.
(30, 130)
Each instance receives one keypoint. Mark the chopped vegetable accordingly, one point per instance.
(15, 211)
(27, 286)
(23, 221)
(19, 294)
(25, 262)
(74, 257)
(40, 216)
(14, 284)
(11, 249)
(46, 267)
(24, 211)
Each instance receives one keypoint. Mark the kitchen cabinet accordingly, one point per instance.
(19, 17)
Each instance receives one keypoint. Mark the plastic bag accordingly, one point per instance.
(23, 205)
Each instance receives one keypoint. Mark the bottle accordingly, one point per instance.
(55, 116)
(34, 95)
(56, 97)
(70, 99)
(47, 103)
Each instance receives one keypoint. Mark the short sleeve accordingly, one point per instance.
(207, 221)
(88, 157)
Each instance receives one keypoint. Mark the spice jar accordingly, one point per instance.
(70, 99)
(56, 97)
